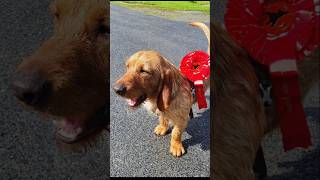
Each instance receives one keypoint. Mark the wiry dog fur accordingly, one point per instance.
(239, 120)
(74, 64)
(152, 79)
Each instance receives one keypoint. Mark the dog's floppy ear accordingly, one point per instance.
(164, 96)
(168, 89)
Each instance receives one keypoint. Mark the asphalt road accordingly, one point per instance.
(297, 164)
(27, 147)
(134, 149)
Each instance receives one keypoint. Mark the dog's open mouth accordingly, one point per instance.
(73, 129)
(133, 102)
(70, 129)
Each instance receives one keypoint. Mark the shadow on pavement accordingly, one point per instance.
(308, 166)
(305, 168)
(199, 130)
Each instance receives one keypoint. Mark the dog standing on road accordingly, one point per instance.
(66, 77)
(153, 80)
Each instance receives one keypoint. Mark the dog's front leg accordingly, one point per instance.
(176, 147)
(162, 127)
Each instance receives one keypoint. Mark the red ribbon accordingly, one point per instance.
(196, 67)
(294, 127)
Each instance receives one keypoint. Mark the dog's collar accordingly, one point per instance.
(265, 85)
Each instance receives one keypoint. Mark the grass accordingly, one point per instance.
(202, 6)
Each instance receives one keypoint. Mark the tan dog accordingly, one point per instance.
(66, 77)
(153, 80)
(239, 118)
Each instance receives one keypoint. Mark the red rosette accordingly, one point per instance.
(277, 33)
(275, 29)
(196, 67)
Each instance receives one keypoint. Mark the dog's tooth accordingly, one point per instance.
(131, 102)
(66, 134)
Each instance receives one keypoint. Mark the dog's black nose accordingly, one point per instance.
(31, 88)
(120, 89)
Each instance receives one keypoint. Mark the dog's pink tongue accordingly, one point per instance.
(132, 102)
(71, 128)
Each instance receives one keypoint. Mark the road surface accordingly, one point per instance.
(135, 149)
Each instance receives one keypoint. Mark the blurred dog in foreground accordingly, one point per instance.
(66, 77)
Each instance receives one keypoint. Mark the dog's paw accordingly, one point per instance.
(161, 130)
(177, 149)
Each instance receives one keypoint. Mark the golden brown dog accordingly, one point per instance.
(153, 80)
(66, 77)
(239, 120)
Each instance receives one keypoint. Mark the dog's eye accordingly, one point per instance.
(143, 71)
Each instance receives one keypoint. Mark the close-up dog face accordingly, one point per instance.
(66, 76)
(143, 77)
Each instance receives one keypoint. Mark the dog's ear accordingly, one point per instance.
(164, 96)
(168, 89)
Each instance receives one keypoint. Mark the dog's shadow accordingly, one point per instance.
(306, 167)
(199, 130)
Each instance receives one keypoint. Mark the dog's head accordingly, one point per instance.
(148, 76)
(66, 76)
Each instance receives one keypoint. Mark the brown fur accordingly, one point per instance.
(239, 120)
(168, 93)
(75, 61)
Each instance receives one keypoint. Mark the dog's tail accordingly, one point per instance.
(206, 31)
